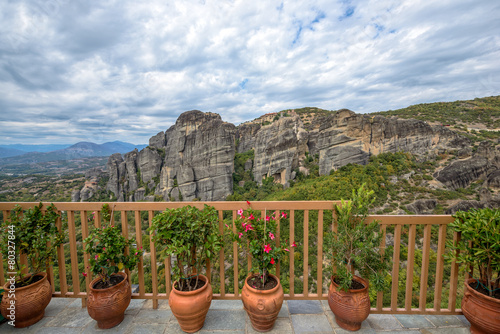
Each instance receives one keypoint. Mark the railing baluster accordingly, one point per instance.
(154, 277)
(138, 237)
(168, 279)
(409, 267)
(86, 257)
(380, 294)
(452, 299)
(425, 267)
(395, 268)
(235, 259)
(306, 254)
(124, 220)
(222, 271)
(75, 279)
(278, 241)
(439, 268)
(61, 261)
(292, 258)
(319, 266)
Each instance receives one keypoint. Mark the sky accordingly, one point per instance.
(124, 70)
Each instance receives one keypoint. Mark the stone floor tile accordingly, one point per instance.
(383, 321)
(153, 316)
(464, 320)
(6, 328)
(284, 310)
(305, 307)
(118, 329)
(57, 305)
(225, 320)
(138, 328)
(76, 303)
(402, 331)
(310, 323)
(281, 326)
(445, 330)
(135, 306)
(361, 331)
(413, 321)
(232, 331)
(444, 320)
(71, 317)
(59, 330)
(162, 304)
(226, 305)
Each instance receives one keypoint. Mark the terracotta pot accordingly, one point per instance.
(107, 306)
(483, 312)
(30, 302)
(191, 307)
(262, 306)
(351, 308)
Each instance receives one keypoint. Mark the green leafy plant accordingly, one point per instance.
(33, 233)
(256, 234)
(107, 247)
(479, 245)
(191, 236)
(356, 244)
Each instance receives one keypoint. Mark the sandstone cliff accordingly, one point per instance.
(194, 159)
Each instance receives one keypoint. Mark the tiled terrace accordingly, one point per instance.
(66, 316)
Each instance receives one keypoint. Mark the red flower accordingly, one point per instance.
(103, 249)
(251, 217)
(267, 218)
(84, 274)
(272, 260)
(240, 235)
(271, 236)
(248, 227)
(267, 248)
(283, 214)
(248, 202)
(294, 244)
(286, 249)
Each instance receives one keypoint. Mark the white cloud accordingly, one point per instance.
(124, 70)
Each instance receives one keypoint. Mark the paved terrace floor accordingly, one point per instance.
(66, 316)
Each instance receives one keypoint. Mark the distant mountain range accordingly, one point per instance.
(25, 154)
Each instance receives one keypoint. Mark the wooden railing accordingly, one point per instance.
(427, 279)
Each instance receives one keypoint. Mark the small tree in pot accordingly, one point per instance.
(106, 247)
(478, 250)
(191, 236)
(355, 247)
(34, 234)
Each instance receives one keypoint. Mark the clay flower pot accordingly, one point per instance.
(107, 306)
(483, 312)
(191, 307)
(262, 306)
(350, 308)
(30, 302)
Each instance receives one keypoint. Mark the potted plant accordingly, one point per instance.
(190, 236)
(478, 250)
(355, 246)
(109, 292)
(262, 294)
(33, 234)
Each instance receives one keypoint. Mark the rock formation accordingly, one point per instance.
(194, 158)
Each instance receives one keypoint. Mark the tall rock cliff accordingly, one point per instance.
(194, 159)
(338, 139)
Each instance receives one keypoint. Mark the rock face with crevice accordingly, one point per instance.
(194, 158)
(337, 139)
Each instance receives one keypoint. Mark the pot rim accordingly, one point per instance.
(262, 291)
(477, 293)
(120, 273)
(187, 293)
(6, 286)
(356, 278)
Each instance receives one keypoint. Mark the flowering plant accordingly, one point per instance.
(106, 246)
(257, 235)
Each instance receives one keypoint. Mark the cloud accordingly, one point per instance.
(125, 70)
